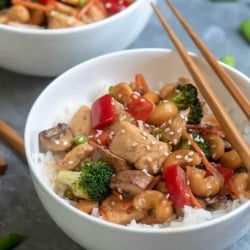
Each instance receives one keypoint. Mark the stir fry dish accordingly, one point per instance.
(143, 155)
(56, 14)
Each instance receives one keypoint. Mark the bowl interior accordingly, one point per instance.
(83, 83)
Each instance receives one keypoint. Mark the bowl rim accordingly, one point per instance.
(71, 30)
(69, 207)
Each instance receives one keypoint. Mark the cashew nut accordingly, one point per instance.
(231, 159)
(183, 157)
(122, 92)
(241, 185)
(163, 112)
(202, 185)
(152, 97)
(155, 201)
(167, 90)
(120, 211)
(217, 146)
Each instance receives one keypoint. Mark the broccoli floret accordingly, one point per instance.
(199, 139)
(5, 4)
(187, 97)
(90, 183)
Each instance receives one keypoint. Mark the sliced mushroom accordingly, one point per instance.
(131, 182)
(118, 163)
(74, 157)
(81, 121)
(56, 139)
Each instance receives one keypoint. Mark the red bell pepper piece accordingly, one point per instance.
(227, 174)
(139, 107)
(103, 112)
(176, 185)
(115, 6)
(45, 2)
(101, 137)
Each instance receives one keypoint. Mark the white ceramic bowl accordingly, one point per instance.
(81, 85)
(51, 52)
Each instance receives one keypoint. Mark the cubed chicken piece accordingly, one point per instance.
(139, 148)
(81, 121)
(74, 157)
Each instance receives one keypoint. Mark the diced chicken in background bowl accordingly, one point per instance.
(47, 38)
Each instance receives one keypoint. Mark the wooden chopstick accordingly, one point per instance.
(228, 82)
(12, 137)
(230, 129)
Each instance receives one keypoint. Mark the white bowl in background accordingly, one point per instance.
(82, 84)
(51, 52)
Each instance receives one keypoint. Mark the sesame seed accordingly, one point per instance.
(167, 129)
(175, 141)
(57, 142)
(123, 117)
(179, 131)
(178, 157)
(155, 168)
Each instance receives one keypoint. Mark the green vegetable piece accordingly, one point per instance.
(5, 4)
(82, 2)
(245, 29)
(229, 60)
(199, 139)
(111, 90)
(91, 183)
(187, 97)
(80, 139)
(9, 241)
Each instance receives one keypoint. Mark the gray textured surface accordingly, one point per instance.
(20, 210)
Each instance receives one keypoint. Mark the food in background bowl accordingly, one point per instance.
(52, 14)
(158, 67)
(50, 52)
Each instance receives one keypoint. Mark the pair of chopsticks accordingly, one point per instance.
(232, 133)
